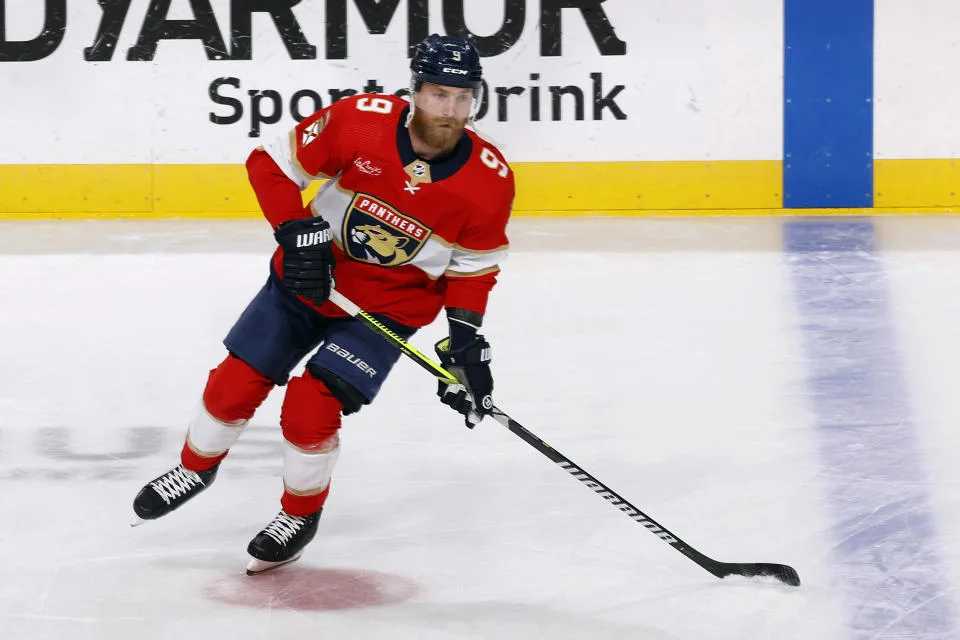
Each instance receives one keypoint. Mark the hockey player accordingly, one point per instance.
(412, 219)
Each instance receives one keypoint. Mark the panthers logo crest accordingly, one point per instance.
(376, 233)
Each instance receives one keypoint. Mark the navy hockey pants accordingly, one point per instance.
(276, 331)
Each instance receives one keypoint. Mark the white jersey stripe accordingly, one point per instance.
(283, 153)
(435, 258)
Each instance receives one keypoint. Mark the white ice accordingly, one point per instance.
(663, 356)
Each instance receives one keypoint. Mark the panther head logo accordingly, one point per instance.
(376, 232)
(379, 245)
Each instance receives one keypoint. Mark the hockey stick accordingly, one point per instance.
(781, 572)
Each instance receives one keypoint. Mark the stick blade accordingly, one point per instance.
(784, 573)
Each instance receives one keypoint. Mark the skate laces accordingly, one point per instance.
(284, 527)
(175, 483)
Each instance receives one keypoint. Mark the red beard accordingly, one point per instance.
(431, 131)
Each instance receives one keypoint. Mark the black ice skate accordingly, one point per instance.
(165, 493)
(281, 542)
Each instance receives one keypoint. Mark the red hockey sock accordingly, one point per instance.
(233, 393)
(295, 505)
(310, 419)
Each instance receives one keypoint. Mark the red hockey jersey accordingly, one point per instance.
(410, 236)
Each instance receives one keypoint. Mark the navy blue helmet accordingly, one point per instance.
(446, 60)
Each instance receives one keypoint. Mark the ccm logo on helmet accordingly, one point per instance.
(459, 72)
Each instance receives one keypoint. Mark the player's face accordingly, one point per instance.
(441, 114)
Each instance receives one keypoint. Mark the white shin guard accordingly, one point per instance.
(308, 472)
(209, 437)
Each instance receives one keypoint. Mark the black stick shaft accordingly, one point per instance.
(601, 489)
(783, 573)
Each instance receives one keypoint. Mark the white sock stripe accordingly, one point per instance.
(307, 473)
(208, 436)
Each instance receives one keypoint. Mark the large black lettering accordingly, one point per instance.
(514, 18)
(257, 115)
(54, 28)
(503, 95)
(376, 15)
(556, 92)
(111, 23)
(593, 14)
(418, 24)
(337, 95)
(295, 99)
(156, 27)
(282, 15)
(534, 98)
(236, 105)
(601, 102)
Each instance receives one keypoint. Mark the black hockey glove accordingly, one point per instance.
(471, 366)
(307, 257)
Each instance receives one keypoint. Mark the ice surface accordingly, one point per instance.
(668, 357)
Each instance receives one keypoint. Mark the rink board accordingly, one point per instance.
(543, 189)
(627, 109)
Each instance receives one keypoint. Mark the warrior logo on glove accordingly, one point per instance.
(308, 260)
(314, 238)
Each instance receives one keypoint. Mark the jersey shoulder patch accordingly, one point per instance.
(313, 130)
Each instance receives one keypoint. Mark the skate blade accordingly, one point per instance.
(259, 566)
(139, 521)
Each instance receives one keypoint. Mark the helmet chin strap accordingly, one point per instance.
(413, 102)
(477, 101)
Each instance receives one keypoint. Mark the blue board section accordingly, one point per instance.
(887, 549)
(828, 103)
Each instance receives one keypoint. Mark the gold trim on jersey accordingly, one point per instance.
(419, 172)
(442, 241)
(308, 492)
(336, 185)
(346, 192)
(453, 245)
(473, 274)
(296, 161)
(503, 247)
